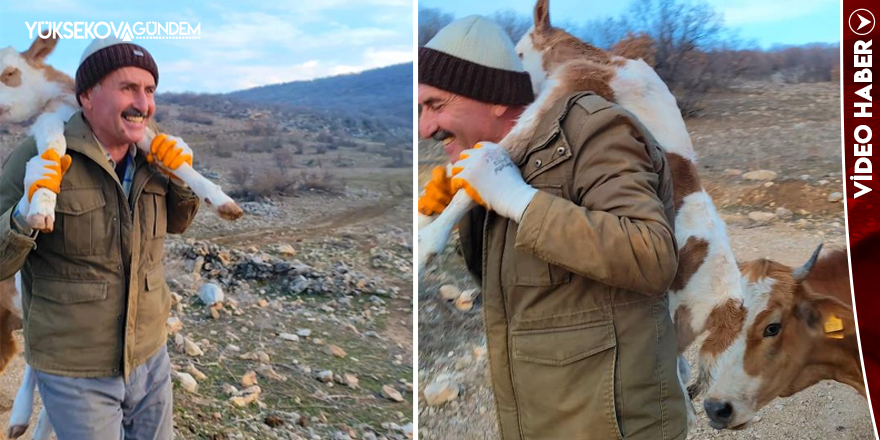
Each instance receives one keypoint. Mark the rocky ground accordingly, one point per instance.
(770, 157)
(296, 321)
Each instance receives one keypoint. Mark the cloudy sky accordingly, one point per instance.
(241, 46)
(767, 22)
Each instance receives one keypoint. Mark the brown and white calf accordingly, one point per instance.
(706, 294)
(31, 88)
(798, 330)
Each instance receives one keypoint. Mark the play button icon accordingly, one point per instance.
(861, 22)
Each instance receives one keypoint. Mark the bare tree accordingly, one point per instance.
(515, 25)
(431, 20)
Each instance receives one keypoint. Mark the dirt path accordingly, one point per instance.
(316, 227)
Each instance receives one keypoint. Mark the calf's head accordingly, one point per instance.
(790, 331)
(27, 83)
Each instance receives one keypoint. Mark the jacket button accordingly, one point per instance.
(538, 163)
(560, 150)
(118, 267)
(119, 318)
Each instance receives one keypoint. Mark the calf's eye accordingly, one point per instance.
(772, 330)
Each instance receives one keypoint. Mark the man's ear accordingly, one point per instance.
(499, 110)
(85, 98)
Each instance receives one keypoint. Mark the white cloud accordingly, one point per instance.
(241, 50)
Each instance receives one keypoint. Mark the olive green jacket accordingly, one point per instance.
(580, 340)
(94, 296)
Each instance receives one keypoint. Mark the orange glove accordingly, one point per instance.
(46, 172)
(438, 193)
(169, 153)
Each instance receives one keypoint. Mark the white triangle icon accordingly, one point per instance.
(863, 22)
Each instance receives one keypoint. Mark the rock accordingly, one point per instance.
(259, 356)
(407, 430)
(180, 343)
(761, 217)
(303, 332)
(215, 312)
(289, 337)
(390, 393)
(286, 250)
(262, 303)
(230, 390)
(835, 197)
(191, 369)
(351, 381)
(210, 294)
(191, 348)
(440, 392)
(448, 292)
(335, 350)
(173, 325)
(784, 214)
(731, 172)
(249, 379)
(465, 301)
(273, 421)
(187, 382)
(246, 396)
(269, 372)
(760, 175)
(339, 435)
(325, 376)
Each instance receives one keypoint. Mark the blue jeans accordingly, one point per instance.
(107, 407)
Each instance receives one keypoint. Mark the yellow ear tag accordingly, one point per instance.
(834, 327)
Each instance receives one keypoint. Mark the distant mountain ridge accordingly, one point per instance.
(384, 94)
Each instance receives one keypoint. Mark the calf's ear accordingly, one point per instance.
(542, 16)
(827, 314)
(41, 48)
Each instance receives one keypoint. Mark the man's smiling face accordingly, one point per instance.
(119, 107)
(458, 121)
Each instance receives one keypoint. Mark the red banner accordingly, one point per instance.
(860, 133)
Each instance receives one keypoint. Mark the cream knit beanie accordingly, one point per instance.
(473, 57)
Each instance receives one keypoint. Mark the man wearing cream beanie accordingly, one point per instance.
(573, 245)
(94, 298)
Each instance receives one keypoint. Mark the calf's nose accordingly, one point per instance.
(720, 413)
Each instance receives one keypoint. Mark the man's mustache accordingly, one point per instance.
(131, 111)
(440, 135)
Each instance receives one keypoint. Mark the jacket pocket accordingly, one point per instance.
(69, 324)
(155, 215)
(563, 380)
(154, 305)
(80, 221)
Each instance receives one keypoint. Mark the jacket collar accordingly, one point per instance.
(550, 125)
(80, 139)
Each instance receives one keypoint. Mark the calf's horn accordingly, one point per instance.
(801, 273)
